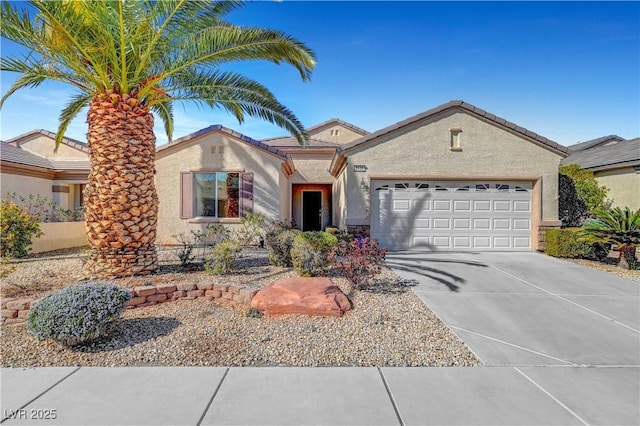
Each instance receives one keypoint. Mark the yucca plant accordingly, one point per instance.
(618, 226)
(128, 61)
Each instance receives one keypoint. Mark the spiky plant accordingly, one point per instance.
(128, 61)
(619, 226)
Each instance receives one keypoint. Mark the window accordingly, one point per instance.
(463, 188)
(421, 186)
(335, 132)
(482, 187)
(383, 188)
(502, 187)
(404, 186)
(521, 189)
(440, 188)
(216, 194)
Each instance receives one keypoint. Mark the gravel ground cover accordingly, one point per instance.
(389, 325)
(633, 274)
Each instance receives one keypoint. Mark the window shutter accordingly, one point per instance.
(186, 195)
(246, 194)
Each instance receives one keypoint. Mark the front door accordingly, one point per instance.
(312, 210)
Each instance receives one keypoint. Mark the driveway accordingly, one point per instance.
(571, 331)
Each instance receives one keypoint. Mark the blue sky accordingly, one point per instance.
(569, 71)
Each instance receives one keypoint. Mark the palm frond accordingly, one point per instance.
(164, 110)
(68, 113)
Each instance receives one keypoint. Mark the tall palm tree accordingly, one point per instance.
(129, 60)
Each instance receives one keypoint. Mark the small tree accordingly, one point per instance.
(618, 226)
(587, 187)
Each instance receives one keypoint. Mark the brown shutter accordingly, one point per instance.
(186, 195)
(246, 194)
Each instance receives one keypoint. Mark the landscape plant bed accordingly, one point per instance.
(389, 326)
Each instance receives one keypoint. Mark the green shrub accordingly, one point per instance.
(567, 242)
(250, 227)
(223, 258)
(310, 253)
(278, 240)
(17, 229)
(586, 185)
(77, 314)
(617, 226)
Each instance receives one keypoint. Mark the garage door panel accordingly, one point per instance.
(452, 215)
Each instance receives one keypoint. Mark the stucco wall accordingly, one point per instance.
(423, 150)
(312, 169)
(345, 135)
(203, 154)
(59, 235)
(25, 185)
(43, 146)
(624, 187)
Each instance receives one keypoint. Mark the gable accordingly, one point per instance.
(42, 143)
(336, 131)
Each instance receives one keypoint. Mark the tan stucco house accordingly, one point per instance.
(29, 166)
(452, 178)
(615, 162)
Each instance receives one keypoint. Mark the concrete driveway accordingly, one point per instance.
(571, 331)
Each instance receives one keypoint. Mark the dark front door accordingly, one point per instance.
(312, 210)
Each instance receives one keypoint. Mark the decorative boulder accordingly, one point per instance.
(305, 296)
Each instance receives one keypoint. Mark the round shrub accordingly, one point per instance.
(310, 253)
(77, 314)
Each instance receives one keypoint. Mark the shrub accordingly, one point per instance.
(279, 239)
(18, 228)
(618, 226)
(567, 243)
(250, 227)
(223, 258)
(359, 260)
(45, 209)
(185, 251)
(77, 314)
(310, 253)
(586, 186)
(573, 210)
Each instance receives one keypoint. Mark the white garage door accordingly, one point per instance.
(451, 216)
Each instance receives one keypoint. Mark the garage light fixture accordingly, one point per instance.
(363, 185)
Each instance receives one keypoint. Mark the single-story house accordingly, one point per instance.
(30, 167)
(454, 177)
(615, 162)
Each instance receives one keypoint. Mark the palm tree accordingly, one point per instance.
(128, 61)
(619, 226)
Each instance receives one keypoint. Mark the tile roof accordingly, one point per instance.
(291, 142)
(65, 140)
(230, 132)
(13, 154)
(594, 142)
(334, 121)
(621, 154)
(469, 109)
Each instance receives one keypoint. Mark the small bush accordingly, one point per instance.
(77, 314)
(17, 229)
(359, 260)
(223, 258)
(250, 227)
(567, 243)
(310, 253)
(279, 239)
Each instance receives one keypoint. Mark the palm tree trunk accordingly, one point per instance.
(120, 196)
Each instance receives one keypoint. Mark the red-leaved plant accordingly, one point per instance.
(359, 260)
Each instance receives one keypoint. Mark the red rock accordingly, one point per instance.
(186, 286)
(137, 300)
(157, 298)
(306, 296)
(205, 286)
(19, 304)
(144, 291)
(166, 288)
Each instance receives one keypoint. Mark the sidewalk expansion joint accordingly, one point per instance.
(391, 398)
(45, 391)
(533, 382)
(215, 393)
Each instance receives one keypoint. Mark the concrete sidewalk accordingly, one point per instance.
(323, 396)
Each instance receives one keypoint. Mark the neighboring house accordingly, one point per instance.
(29, 165)
(452, 178)
(615, 163)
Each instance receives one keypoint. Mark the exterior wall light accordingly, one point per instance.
(363, 185)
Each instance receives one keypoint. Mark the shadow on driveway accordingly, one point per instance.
(416, 263)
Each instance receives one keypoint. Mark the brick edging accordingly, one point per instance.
(15, 310)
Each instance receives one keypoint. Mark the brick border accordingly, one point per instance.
(15, 310)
